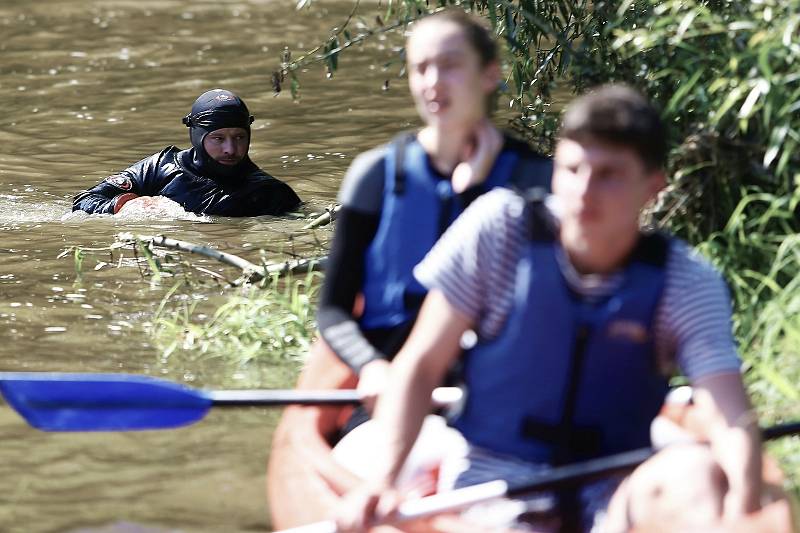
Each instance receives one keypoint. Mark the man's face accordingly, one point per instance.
(447, 81)
(227, 146)
(600, 189)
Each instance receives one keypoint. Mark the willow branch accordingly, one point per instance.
(311, 56)
(337, 31)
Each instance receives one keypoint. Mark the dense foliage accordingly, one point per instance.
(271, 322)
(722, 72)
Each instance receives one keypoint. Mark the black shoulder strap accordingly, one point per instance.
(513, 142)
(399, 143)
(542, 227)
(529, 162)
(652, 249)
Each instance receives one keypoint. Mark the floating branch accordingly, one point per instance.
(298, 266)
(325, 218)
(251, 272)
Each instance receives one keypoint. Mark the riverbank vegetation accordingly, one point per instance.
(269, 324)
(724, 73)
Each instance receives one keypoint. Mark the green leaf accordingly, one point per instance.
(623, 7)
(775, 143)
(294, 88)
(788, 151)
(777, 380)
(492, 8)
(734, 96)
(789, 31)
(761, 87)
(511, 27)
(741, 25)
(334, 57)
(718, 84)
(518, 78)
(683, 90)
(684, 25)
(78, 257)
(763, 61)
(757, 38)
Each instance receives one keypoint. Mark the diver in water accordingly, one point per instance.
(214, 177)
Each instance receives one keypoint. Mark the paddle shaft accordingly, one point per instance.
(267, 398)
(238, 398)
(557, 477)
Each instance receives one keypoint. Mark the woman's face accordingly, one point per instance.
(447, 81)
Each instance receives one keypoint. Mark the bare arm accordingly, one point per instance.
(301, 467)
(735, 439)
(418, 368)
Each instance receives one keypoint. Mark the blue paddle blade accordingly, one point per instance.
(101, 402)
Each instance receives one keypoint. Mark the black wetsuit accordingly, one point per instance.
(174, 174)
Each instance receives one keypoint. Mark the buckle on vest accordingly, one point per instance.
(568, 443)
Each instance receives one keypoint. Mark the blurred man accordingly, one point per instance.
(581, 319)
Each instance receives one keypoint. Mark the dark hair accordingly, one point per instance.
(478, 34)
(620, 115)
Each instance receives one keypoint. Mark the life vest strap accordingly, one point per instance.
(399, 143)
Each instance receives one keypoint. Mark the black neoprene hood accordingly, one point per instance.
(213, 110)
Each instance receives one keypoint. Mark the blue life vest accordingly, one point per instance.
(569, 379)
(418, 206)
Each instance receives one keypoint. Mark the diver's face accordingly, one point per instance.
(448, 82)
(227, 146)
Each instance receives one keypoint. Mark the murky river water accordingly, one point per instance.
(89, 87)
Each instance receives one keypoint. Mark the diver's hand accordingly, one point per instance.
(122, 199)
(478, 158)
(372, 381)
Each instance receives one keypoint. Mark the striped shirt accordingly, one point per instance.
(474, 264)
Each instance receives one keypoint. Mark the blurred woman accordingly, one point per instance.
(397, 200)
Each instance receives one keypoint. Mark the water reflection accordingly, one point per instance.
(90, 87)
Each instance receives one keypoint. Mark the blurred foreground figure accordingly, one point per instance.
(581, 319)
(397, 199)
